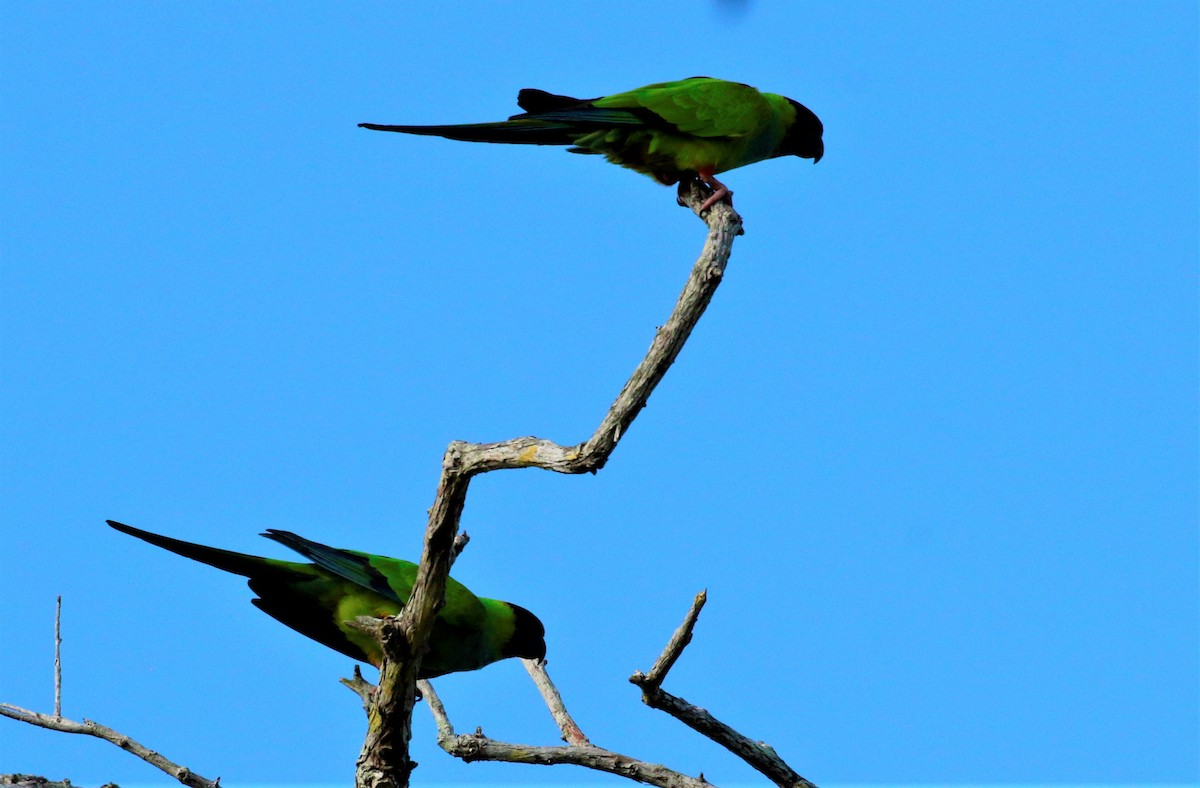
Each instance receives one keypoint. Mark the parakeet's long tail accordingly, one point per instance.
(520, 132)
(237, 563)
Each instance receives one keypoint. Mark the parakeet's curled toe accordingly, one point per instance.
(320, 599)
(671, 131)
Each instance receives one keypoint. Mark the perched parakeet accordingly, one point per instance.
(671, 131)
(318, 599)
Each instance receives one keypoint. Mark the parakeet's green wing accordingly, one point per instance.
(392, 578)
(700, 106)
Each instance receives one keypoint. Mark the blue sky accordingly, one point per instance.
(932, 451)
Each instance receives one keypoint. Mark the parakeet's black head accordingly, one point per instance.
(803, 138)
(529, 636)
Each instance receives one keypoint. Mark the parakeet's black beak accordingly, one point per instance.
(820, 151)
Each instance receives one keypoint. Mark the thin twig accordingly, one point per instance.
(444, 729)
(460, 544)
(58, 658)
(89, 728)
(677, 643)
(384, 761)
(758, 755)
(360, 687)
(571, 733)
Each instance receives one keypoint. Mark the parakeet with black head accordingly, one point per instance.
(319, 599)
(671, 131)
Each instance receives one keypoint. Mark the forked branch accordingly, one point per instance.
(759, 755)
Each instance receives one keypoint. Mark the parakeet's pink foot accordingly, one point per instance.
(720, 191)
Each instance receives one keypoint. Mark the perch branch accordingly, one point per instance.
(384, 761)
(89, 728)
(759, 755)
(724, 225)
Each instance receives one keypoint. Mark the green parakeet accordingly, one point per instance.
(671, 131)
(318, 599)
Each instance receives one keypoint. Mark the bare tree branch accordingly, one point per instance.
(57, 722)
(759, 755)
(89, 728)
(444, 729)
(477, 747)
(571, 732)
(58, 657)
(360, 687)
(34, 781)
(365, 690)
(677, 643)
(724, 225)
(384, 760)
